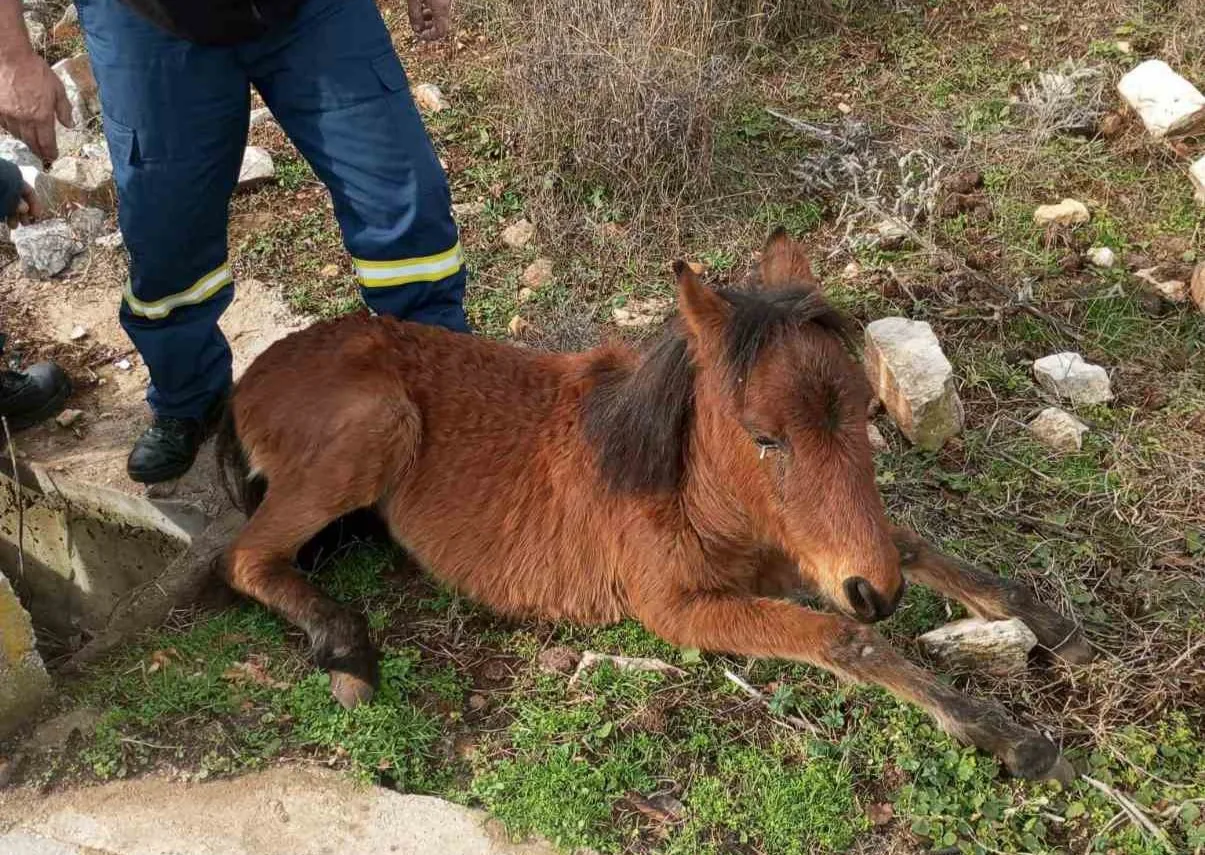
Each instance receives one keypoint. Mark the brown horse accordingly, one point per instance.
(691, 487)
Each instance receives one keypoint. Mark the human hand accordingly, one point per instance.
(31, 97)
(430, 19)
(28, 210)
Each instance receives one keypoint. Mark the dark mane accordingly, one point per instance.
(638, 419)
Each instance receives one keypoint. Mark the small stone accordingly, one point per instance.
(1058, 430)
(260, 116)
(1068, 376)
(1167, 103)
(95, 151)
(999, 647)
(429, 98)
(46, 248)
(67, 418)
(84, 181)
(329, 271)
(257, 169)
(517, 327)
(123, 364)
(877, 441)
(642, 313)
(67, 26)
(15, 151)
(851, 271)
(1170, 289)
(558, 660)
(1069, 212)
(78, 332)
(915, 381)
(524, 295)
(518, 234)
(87, 223)
(1124, 47)
(1110, 125)
(82, 93)
(1101, 256)
(1198, 286)
(464, 210)
(538, 273)
(1196, 172)
(844, 108)
(113, 241)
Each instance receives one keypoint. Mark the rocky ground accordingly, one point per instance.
(973, 171)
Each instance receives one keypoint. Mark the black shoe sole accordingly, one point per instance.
(160, 475)
(53, 407)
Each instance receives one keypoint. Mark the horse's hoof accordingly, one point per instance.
(350, 691)
(1075, 650)
(1037, 759)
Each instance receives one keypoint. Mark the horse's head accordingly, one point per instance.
(778, 360)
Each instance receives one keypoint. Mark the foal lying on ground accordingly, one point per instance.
(691, 488)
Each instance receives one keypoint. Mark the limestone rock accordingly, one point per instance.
(15, 151)
(87, 223)
(68, 26)
(1058, 430)
(642, 313)
(84, 181)
(96, 151)
(518, 234)
(78, 80)
(1171, 289)
(914, 380)
(37, 32)
(1069, 212)
(1198, 286)
(46, 248)
(1167, 103)
(257, 169)
(1102, 256)
(260, 116)
(429, 98)
(112, 241)
(24, 683)
(996, 647)
(1197, 173)
(538, 274)
(1068, 376)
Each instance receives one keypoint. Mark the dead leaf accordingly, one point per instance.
(162, 658)
(252, 671)
(881, 813)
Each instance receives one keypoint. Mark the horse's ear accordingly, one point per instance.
(784, 264)
(704, 311)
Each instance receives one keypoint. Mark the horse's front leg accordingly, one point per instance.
(762, 627)
(989, 596)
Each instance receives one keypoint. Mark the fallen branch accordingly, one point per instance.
(1134, 812)
(794, 721)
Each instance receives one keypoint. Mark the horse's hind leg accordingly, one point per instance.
(989, 596)
(260, 565)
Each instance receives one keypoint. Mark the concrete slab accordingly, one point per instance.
(285, 811)
(24, 683)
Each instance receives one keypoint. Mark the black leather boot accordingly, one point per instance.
(30, 396)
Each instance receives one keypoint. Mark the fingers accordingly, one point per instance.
(31, 205)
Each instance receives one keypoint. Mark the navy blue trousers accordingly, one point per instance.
(175, 117)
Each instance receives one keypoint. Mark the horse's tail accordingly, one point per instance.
(245, 488)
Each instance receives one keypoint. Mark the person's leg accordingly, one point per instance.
(175, 116)
(335, 84)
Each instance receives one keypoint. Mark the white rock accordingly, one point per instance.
(1123, 47)
(1167, 103)
(84, 181)
(998, 647)
(1058, 429)
(914, 380)
(429, 98)
(78, 332)
(257, 169)
(1067, 375)
(123, 364)
(46, 248)
(1197, 289)
(87, 223)
(68, 418)
(260, 116)
(15, 151)
(95, 151)
(1172, 290)
(1102, 256)
(1196, 172)
(642, 313)
(76, 74)
(1069, 212)
(518, 234)
(113, 241)
(71, 140)
(37, 33)
(851, 271)
(877, 441)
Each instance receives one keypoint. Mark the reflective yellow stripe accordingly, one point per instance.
(428, 268)
(201, 290)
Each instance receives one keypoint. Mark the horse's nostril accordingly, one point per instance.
(863, 598)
